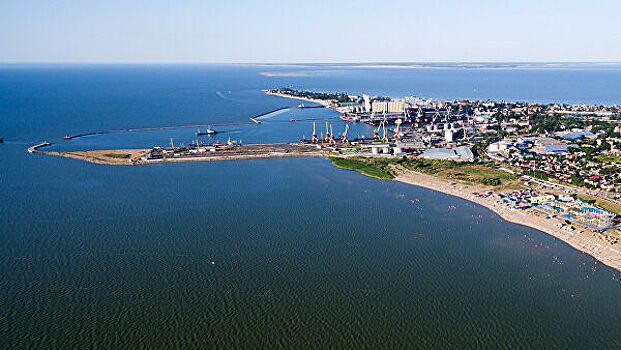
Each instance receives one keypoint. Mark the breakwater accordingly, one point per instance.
(253, 119)
(35, 148)
(118, 131)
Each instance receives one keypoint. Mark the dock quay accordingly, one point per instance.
(230, 152)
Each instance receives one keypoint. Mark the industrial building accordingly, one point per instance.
(459, 154)
(388, 107)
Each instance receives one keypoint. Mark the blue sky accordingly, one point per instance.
(309, 31)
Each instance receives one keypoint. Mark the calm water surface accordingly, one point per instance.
(274, 252)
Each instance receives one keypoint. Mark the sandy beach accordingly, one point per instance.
(585, 241)
(325, 103)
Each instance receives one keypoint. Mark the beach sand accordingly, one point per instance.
(109, 157)
(586, 241)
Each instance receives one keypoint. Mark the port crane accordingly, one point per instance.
(344, 136)
(314, 139)
(435, 117)
(385, 133)
(395, 133)
(327, 138)
(376, 131)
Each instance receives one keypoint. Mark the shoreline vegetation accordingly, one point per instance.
(325, 103)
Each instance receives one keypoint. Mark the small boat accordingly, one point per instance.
(1, 140)
(206, 132)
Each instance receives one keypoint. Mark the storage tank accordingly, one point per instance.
(386, 150)
(374, 150)
(448, 135)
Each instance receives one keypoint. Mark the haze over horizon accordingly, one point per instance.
(164, 31)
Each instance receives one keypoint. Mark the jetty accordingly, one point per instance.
(35, 149)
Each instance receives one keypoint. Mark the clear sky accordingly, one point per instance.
(309, 31)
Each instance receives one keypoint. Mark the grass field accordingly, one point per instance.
(609, 158)
(469, 173)
(377, 168)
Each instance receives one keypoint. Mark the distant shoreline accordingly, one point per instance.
(324, 103)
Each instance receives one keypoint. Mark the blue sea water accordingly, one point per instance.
(273, 252)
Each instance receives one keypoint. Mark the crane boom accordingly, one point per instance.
(314, 133)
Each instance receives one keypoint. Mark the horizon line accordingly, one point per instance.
(303, 63)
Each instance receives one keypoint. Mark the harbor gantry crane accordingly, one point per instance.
(314, 139)
(385, 133)
(331, 135)
(344, 136)
(327, 138)
(395, 132)
(433, 119)
(419, 116)
(376, 131)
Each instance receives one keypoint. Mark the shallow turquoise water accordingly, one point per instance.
(258, 253)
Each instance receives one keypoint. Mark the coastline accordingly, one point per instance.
(583, 242)
(130, 156)
(324, 103)
(96, 156)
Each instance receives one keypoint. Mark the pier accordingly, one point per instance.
(34, 149)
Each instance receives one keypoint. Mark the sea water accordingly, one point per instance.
(271, 252)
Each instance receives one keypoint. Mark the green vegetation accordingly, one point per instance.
(609, 158)
(342, 97)
(537, 174)
(367, 166)
(578, 181)
(546, 122)
(426, 166)
(469, 173)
